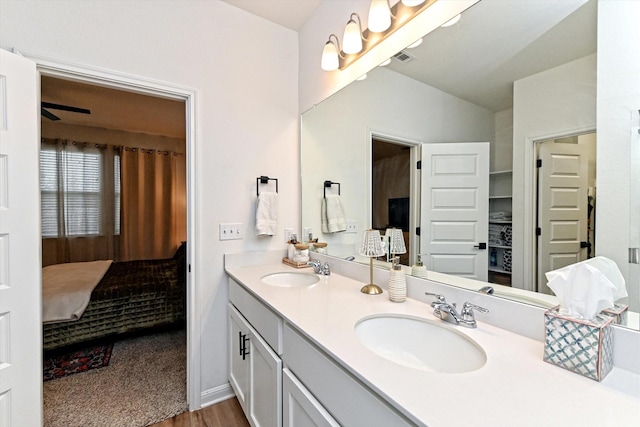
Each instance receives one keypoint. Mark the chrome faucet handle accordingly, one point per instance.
(316, 264)
(467, 313)
(326, 269)
(439, 297)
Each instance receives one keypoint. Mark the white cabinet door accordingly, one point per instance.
(239, 357)
(265, 384)
(255, 373)
(20, 241)
(300, 408)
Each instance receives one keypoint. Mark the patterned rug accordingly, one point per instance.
(82, 360)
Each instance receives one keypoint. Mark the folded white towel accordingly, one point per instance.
(333, 218)
(267, 214)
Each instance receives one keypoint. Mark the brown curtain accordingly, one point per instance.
(149, 222)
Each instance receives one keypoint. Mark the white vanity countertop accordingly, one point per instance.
(514, 387)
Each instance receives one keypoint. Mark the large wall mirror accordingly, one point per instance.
(466, 92)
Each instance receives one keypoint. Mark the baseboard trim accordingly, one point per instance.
(216, 395)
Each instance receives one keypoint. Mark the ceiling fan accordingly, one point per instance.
(49, 115)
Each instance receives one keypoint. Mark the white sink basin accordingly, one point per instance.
(290, 279)
(420, 344)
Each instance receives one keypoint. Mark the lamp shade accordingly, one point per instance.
(371, 244)
(396, 241)
(352, 39)
(330, 59)
(379, 16)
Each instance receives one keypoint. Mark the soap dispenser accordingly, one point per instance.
(418, 269)
(397, 282)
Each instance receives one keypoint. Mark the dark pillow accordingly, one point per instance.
(181, 259)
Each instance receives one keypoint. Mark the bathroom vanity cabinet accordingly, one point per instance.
(296, 359)
(311, 390)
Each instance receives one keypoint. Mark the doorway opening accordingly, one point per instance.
(565, 199)
(159, 92)
(394, 203)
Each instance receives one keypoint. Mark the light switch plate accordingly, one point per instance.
(231, 231)
(287, 234)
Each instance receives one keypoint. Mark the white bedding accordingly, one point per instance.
(66, 289)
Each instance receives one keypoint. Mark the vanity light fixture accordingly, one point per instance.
(371, 247)
(379, 16)
(352, 38)
(331, 54)
(383, 21)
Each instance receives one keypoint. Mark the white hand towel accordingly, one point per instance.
(267, 214)
(333, 218)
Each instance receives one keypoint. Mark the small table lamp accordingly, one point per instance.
(396, 242)
(371, 247)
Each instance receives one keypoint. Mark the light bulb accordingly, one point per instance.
(330, 60)
(352, 40)
(379, 16)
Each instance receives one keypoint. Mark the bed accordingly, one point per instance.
(131, 296)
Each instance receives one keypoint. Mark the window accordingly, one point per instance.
(72, 178)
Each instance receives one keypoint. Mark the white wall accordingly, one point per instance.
(336, 139)
(245, 71)
(618, 103)
(555, 102)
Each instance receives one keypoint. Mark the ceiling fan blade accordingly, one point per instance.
(65, 108)
(49, 115)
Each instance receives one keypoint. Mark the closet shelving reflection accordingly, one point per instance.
(500, 200)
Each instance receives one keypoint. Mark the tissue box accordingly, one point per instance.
(581, 346)
(618, 312)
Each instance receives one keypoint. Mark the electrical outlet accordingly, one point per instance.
(305, 234)
(231, 231)
(287, 234)
(352, 226)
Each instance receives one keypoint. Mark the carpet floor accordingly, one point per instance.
(145, 383)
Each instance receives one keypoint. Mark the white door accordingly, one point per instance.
(20, 264)
(562, 207)
(454, 214)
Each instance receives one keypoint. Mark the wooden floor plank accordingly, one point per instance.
(227, 413)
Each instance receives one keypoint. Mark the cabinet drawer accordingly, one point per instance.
(262, 319)
(349, 401)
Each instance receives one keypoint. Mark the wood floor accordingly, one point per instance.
(227, 413)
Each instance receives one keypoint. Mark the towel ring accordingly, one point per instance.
(328, 184)
(264, 180)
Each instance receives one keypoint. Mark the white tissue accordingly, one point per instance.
(588, 287)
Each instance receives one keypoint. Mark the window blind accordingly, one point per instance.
(71, 180)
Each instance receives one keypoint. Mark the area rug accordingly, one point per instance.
(145, 383)
(58, 364)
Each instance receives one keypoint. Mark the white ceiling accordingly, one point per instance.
(288, 13)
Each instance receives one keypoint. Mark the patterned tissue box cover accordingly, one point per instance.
(618, 312)
(581, 346)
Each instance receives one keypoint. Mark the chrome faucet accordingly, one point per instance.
(449, 313)
(318, 268)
